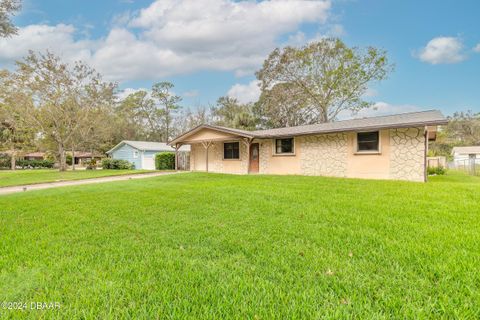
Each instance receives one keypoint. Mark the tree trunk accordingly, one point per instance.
(13, 162)
(63, 160)
(73, 158)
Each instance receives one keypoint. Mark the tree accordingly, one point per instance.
(64, 96)
(229, 112)
(168, 104)
(7, 9)
(464, 128)
(15, 134)
(142, 118)
(190, 119)
(321, 79)
(280, 107)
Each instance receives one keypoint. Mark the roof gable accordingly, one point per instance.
(210, 132)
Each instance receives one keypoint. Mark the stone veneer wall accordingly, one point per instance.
(324, 154)
(264, 154)
(407, 152)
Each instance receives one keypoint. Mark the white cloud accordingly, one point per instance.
(58, 39)
(477, 48)
(172, 37)
(245, 92)
(442, 50)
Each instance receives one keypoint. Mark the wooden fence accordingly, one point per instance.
(183, 160)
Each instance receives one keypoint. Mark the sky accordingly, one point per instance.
(212, 48)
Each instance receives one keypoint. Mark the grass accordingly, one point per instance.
(250, 247)
(23, 177)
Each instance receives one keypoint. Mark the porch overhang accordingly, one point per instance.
(193, 136)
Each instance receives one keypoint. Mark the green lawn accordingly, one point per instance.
(22, 177)
(245, 247)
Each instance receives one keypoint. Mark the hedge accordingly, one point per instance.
(34, 164)
(436, 171)
(117, 164)
(165, 161)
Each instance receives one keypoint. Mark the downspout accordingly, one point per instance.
(425, 176)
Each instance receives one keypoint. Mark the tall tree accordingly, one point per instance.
(142, 119)
(464, 128)
(7, 9)
(168, 104)
(189, 119)
(326, 76)
(64, 96)
(281, 107)
(230, 112)
(15, 134)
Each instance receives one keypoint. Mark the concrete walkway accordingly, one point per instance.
(48, 185)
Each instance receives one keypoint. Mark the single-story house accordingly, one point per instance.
(82, 157)
(385, 147)
(142, 153)
(34, 156)
(464, 156)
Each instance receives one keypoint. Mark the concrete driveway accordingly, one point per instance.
(48, 185)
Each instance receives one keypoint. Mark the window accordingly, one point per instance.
(135, 154)
(367, 141)
(285, 145)
(231, 150)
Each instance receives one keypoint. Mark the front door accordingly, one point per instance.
(254, 158)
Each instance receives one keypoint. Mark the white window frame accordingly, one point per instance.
(274, 147)
(135, 154)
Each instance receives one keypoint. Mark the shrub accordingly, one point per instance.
(35, 164)
(69, 159)
(165, 161)
(92, 164)
(436, 170)
(5, 162)
(117, 164)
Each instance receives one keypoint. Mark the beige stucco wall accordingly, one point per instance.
(366, 165)
(216, 163)
(279, 164)
(401, 156)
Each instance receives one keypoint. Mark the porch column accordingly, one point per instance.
(206, 145)
(248, 143)
(176, 157)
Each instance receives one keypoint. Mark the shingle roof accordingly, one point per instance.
(35, 154)
(412, 119)
(149, 146)
(430, 117)
(466, 150)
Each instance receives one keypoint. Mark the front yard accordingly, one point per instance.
(250, 247)
(23, 177)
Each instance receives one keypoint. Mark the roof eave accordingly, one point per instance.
(206, 126)
(353, 129)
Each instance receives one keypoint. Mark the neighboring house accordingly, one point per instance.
(464, 156)
(82, 157)
(34, 156)
(387, 147)
(142, 153)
